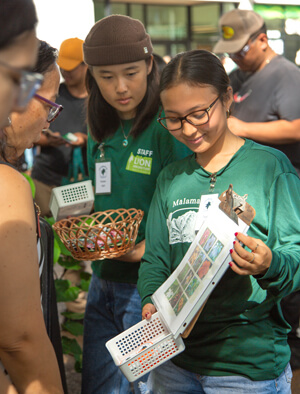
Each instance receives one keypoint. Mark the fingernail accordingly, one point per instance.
(235, 234)
(230, 264)
(147, 315)
(231, 250)
(234, 242)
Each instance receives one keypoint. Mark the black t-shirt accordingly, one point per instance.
(52, 164)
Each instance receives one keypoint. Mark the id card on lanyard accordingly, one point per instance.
(102, 173)
(208, 200)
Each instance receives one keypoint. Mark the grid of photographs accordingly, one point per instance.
(194, 271)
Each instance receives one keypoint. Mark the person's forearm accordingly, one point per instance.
(135, 255)
(43, 141)
(32, 366)
(276, 132)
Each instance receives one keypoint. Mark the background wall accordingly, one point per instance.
(62, 19)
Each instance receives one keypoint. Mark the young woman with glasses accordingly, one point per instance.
(123, 105)
(239, 342)
(25, 349)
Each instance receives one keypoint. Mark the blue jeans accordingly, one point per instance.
(170, 379)
(111, 309)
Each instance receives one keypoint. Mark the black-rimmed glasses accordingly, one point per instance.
(196, 118)
(55, 109)
(29, 82)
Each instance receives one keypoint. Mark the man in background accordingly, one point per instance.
(266, 108)
(63, 146)
(266, 104)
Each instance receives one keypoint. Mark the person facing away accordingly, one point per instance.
(123, 104)
(266, 107)
(239, 342)
(54, 165)
(25, 348)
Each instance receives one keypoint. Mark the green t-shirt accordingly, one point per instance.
(241, 330)
(134, 169)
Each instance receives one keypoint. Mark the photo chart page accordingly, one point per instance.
(180, 297)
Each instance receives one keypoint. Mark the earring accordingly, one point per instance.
(228, 113)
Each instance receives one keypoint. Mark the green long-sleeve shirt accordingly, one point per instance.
(134, 171)
(241, 330)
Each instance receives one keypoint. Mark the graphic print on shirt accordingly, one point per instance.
(141, 162)
(238, 98)
(181, 226)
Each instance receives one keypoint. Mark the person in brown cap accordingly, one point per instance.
(127, 148)
(59, 159)
(265, 109)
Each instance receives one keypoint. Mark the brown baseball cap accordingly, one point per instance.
(236, 28)
(70, 54)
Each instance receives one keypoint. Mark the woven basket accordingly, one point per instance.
(101, 235)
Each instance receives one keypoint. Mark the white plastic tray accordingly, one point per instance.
(143, 347)
(72, 200)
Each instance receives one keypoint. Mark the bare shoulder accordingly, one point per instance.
(15, 194)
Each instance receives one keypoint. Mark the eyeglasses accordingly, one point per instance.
(243, 52)
(29, 82)
(196, 118)
(55, 109)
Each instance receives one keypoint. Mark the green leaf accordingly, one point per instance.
(62, 284)
(59, 247)
(50, 220)
(70, 346)
(78, 364)
(71, 294)
(84, 284)
(56, 251)
(70, 264)
(85, 275)
(63, 249)
(73, 327)
(31, 183)
(73, 315)
(64, 291)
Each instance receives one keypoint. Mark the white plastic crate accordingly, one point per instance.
(72, 200)
(143, 347)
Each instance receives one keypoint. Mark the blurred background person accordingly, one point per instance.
(25, 348)
(18, 51)
(266, 108)
(160, 62)
(59, 158)
(266, 104)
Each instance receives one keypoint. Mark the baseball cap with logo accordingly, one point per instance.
(70, 54)
(237, 26)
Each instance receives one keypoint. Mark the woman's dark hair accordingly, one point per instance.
(103, 119)
(47, 56)
(16, 17)
(161, 64)
(197, 67)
